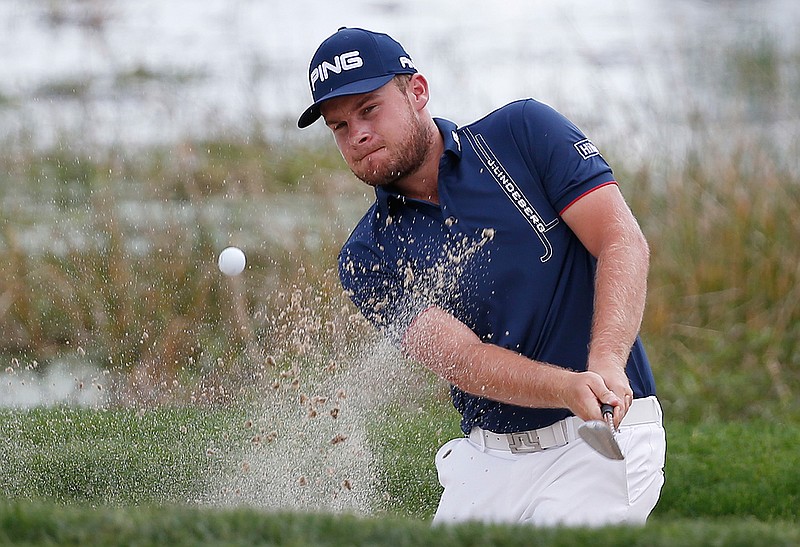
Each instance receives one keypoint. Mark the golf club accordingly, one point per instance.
(599, 434)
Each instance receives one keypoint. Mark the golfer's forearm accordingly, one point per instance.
(490, 371)
(451, 350)
(620, 293)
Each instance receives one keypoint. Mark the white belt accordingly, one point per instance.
(641, 411)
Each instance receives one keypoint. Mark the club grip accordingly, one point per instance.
(606, 409)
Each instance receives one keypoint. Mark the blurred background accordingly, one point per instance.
(643, 75)
(140, 138)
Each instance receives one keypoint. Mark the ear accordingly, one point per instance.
(418, 91)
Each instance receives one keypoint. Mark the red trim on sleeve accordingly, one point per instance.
(586, 193)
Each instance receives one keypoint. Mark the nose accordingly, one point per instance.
(359, 134)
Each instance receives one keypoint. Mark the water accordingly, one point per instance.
(646, 76)
(22, 386)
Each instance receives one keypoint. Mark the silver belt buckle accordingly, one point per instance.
(523, 442)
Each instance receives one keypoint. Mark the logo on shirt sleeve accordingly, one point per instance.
(586, 149)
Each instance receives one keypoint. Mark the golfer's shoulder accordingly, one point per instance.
(521, 110)
(506, 112)
(523, 120)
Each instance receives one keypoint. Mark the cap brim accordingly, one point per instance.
(312, 113)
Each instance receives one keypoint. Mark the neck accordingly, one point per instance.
(423, 184)
(425, 188)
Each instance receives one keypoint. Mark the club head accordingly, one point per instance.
(599, 436)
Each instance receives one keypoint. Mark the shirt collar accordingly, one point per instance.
(452, 141)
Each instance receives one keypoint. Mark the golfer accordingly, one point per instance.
(501, 255)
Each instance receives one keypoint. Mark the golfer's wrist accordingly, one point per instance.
(606, 362)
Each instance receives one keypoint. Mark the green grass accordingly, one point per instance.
(117, 477)
(407, 450)
(117, 457)
(744, 469)
(36, 523)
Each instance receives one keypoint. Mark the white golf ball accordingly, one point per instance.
(231, 261)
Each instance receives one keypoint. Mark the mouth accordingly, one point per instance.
(368, 155)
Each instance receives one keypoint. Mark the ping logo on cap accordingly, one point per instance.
(350, 62)
(405, 62)
(345, 61)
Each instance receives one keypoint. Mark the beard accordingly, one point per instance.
(405, 158)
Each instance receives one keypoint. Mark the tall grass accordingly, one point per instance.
(723, 316)
(114, 257)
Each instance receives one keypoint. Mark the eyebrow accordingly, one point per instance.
(366, 97)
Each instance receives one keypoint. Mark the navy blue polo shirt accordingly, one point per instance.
(495, 252)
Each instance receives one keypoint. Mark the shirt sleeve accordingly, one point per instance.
(382, 293)
(568, 164)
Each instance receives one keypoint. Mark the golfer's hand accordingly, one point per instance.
(587, 391)
(617, 381)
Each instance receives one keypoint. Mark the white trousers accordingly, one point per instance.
(571, 485)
